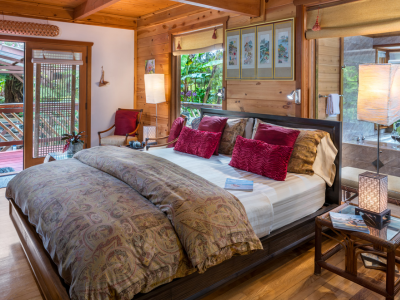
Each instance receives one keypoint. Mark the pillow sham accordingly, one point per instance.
(233, 129)
(196, 142)
(261, 158)
(125, 121)
(213, 124)
(176, 129)
(276, 135)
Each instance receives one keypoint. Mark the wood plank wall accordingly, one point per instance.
(250, 96)
(328, 61)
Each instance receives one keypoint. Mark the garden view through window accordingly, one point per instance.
(201, 78)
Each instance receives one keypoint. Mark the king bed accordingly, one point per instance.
(118, 223)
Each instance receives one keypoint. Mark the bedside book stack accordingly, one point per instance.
(239, 185)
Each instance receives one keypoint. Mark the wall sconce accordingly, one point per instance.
(296, 96)
(221, 93)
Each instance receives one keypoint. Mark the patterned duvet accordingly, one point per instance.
(118, 222)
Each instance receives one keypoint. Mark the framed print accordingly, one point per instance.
(232, 56)
(284, 50)
(265, 51)
(150, 66)
(248, 53)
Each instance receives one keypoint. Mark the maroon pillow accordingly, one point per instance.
(276, 135)
(261, 158)
(125, 121)
(200, 143)
(213, 124)
(176, 129)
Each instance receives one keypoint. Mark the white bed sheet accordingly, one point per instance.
(272, 204)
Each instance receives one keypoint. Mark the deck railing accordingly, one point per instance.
(53, 119)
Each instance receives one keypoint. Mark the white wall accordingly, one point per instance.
(114, 50)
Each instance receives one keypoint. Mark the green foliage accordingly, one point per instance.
(201, 77)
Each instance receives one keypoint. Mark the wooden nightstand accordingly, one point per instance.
(382, 243)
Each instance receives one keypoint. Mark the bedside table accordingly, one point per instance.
(382, 243)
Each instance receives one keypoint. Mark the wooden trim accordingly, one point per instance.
(24, 39)
(330, 4)
(90, 7)
(302, 61)
(89, 97)
(251, 8)
(63, 14)
(341, 88)
(320, 3)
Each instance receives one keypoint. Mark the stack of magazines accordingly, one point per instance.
(348, 222)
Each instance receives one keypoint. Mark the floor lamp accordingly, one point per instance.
(155, 93)
(379, 103)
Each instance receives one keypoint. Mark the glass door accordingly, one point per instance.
(55, 97)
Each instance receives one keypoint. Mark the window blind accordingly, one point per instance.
(198, 42)
(355, 18)
(57, 57)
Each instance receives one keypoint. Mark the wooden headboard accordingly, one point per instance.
(334, 128)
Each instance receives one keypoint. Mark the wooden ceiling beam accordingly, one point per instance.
(250, 8)
(168, 14)
(90, 7)
(321, 2)
(63, 14)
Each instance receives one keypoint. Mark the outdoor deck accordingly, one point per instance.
(13, 159)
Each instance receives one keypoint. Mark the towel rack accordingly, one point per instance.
(326, 96)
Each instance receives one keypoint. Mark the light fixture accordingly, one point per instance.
(295, 95)
(379, 103)
(149, 132)
(221, 93)
(155, 90)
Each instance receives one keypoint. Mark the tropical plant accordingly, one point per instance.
(201, 77)
(72, 138)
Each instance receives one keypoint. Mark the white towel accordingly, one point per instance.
(333, 105)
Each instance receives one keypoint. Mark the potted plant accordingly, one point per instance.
(73, 142)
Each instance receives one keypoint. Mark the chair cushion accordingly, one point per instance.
(350, 179)
(261, 158)
(125, 121)
(176, 129)
(117, 140)
(196, 142)
(276, 135)
(213, 124)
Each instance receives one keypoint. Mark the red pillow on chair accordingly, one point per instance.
(213, 124)
(176, 129)
(261, 158)
(276, 135)
(125, 121)
(200, 143)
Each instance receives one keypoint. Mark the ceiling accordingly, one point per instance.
(128, 8)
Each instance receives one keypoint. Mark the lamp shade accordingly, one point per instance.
(379, 93)
(154, 87)
(372, 192)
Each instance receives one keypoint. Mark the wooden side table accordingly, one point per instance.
(383, 243)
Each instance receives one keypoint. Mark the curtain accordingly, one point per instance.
(198, 42)
(355, 18)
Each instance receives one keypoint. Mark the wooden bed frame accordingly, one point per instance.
(196, 286)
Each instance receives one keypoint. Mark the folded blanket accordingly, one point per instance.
(210, 222)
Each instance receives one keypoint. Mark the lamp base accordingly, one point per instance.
(376, 220)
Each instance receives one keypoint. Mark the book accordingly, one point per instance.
(239, 185)
(348, 222)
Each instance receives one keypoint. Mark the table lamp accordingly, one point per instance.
(155, 91)
(379, 103)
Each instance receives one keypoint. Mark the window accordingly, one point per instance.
(201, 78)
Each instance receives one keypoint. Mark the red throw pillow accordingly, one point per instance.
(276, 135)
(176, 129)
(261, 158)
(213, 124)
(125, 121)
(200, 143)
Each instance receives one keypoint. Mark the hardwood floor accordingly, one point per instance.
(288, 277)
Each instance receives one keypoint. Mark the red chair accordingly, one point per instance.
(173, 136)
(127, 124)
